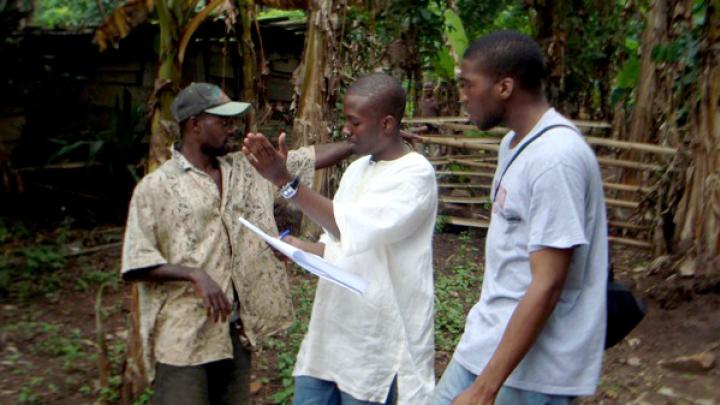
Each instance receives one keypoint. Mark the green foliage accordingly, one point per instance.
(27, 393)
(455, 293)
(455, 33)
(440, 223)
(118, 149)
(32, 269)
(145, 398)
(480, 18)
(70, 13)
(443, 64)
(678, 55)
(628, 75)
(292, 15)
(52, 340)
(288, 344)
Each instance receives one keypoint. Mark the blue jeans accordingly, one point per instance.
(457, 379)
(314, 391)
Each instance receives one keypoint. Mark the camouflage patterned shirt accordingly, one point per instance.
(177, 215)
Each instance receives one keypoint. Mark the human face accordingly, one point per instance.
(363, 125)
(483, 96)
(217, 134)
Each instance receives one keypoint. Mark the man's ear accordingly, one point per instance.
(195, 123)
(389, 124)
(506, 85)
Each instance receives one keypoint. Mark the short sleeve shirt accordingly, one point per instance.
(178, 215)
(550, 197)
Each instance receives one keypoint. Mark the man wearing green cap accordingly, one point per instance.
(208, 289)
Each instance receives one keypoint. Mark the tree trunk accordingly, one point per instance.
(698, 216)
(655, 33)
(551, 29)
(310, 125)
(249, 68)
(316, 83)
(135, 378)
(163, 131)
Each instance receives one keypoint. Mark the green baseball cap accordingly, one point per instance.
(205, 97)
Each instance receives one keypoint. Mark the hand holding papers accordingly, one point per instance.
(312, 263)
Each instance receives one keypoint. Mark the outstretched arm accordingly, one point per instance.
(549, 269)
(328, 154)
(270, 163)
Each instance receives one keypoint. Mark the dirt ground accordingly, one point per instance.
(48, 341)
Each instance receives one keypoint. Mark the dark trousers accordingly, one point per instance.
(224, 382)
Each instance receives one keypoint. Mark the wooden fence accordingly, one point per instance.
(465, 160)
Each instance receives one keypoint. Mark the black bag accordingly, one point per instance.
(624, 311)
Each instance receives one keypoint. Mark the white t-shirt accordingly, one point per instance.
(551, 196)
(386, 215)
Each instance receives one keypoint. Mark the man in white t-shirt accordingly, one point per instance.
(536, 336)
(377, 348)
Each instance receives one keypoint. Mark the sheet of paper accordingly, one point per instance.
(312, 263)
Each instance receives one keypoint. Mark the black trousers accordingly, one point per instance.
(224, 382)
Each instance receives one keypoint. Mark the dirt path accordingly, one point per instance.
(47, 342)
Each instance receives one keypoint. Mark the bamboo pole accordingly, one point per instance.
(485, 200)
(498, 132)
(464, 200)
(461, 173)
(607, 185)
(628, 187)
(463, 186)
(480, 145)
(434, 120)
(592, 124)
(461, 144)
(462, 138)
(629, 164)
(611, 202)
(627, 225)
(475, 158)
(443, 120)
(592, 140)
(471, 163)
(475, 223)
(602, 160)
(630, 242)
(632, 146)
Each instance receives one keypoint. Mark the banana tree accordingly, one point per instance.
(248, 14)
(698, 215)
(316, 83)
(178, 21)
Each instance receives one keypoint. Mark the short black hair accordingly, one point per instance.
(386, 92)
(509, 54)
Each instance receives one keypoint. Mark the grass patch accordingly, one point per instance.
(455, 293)
(287, 344)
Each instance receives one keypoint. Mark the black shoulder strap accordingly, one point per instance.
(521, 148)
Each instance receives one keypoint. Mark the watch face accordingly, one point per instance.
(289, 190)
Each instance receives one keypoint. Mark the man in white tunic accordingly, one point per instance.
(376, 348)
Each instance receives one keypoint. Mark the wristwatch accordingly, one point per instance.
(289, 190)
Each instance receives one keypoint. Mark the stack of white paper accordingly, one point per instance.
(313, 263)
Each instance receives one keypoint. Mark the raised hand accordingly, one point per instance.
(267, 160)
